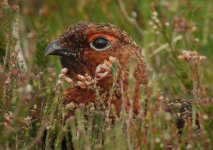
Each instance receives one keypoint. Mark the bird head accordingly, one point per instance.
(86, 45)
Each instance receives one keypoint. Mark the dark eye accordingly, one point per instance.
(99, 44)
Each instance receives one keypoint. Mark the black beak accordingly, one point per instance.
(54, 49)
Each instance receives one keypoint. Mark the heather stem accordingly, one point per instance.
(196, 91)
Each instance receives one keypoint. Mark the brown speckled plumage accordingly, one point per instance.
(84, 59)
(81, 59)
(122, 47)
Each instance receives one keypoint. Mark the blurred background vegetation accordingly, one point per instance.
(27, 26)
(41, 21)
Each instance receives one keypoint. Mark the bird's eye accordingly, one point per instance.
(100, 44)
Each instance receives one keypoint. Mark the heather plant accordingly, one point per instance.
(176, 39)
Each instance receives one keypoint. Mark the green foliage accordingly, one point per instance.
(31, 93)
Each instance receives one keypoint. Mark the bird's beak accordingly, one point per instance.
(54, 49)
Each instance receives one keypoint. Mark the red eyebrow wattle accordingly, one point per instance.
(93, 36)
